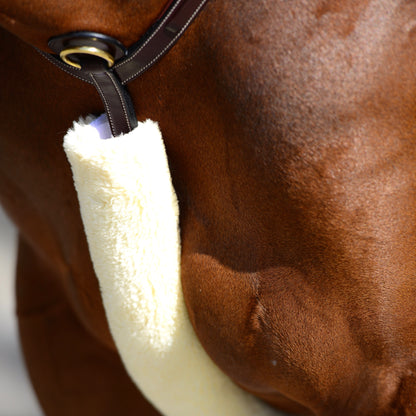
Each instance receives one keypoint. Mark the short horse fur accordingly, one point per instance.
(290, 131)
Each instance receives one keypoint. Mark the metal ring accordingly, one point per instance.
(86, 50)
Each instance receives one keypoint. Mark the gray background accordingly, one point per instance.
(16, 395)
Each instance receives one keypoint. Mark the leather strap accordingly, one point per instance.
(160, 40)
(156, 42)
(117, 102)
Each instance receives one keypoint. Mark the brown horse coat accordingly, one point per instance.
(290, 130)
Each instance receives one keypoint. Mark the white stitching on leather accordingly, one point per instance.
(61, 67)
(121, 64)
(107, 107)
(121, 99)
(179, 34)
(150, 37)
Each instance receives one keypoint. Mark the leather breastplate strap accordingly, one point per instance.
(103, 61)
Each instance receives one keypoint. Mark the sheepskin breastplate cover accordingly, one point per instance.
(130, 214)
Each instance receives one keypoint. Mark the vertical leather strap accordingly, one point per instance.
(117, 102)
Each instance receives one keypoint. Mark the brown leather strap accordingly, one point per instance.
(109, 82)
(117, 103)
(160, 40)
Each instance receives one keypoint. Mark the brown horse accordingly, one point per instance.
(291, 134)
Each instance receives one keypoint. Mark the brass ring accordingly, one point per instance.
(86, 50)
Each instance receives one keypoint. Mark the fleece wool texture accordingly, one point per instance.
(130, 214)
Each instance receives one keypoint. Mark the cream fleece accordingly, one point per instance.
(130, 214)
